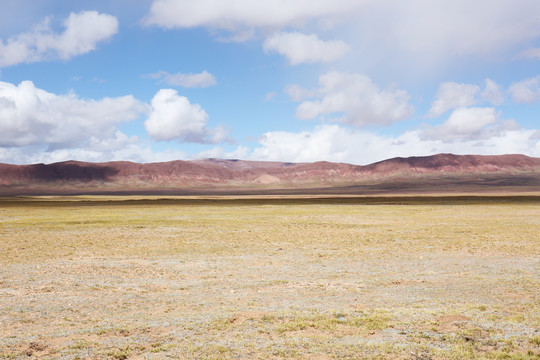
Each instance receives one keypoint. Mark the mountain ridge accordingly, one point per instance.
(235, 174)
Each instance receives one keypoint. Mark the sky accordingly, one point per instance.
(355, 81)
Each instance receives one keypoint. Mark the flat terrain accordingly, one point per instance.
(314, 278)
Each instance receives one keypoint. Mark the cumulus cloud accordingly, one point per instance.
(238, 14)
(300, 48)
(173, 117)
(298, 93)
(199, 80)
(325, 142)
(32, 116)
(470, 124)
(526, 91)
(452, 95)
(492, 93)
(118, 148)
(354, 98)
(422, 32)
(40, 126)
(305, 146)
(83, 31)
(241, 152)
(335, 143)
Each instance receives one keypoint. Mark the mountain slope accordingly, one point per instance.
(238, 175)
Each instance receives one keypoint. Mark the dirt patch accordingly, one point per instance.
(36, 349)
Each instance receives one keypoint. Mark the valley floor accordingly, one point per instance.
(345, 278)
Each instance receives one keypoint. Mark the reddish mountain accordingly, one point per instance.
(438, 172)
(455, 164)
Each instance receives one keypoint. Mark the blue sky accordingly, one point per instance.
(352, 81)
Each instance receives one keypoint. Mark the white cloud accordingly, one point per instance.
(304, 146)
(526, 91)
(199, 80)
(269, 96)
(355, 98)
(532, 53)
(300, 48)
(470, 124)
(298, 93)
(435, 31)
(420, 33)
(173, 117)
(238, 14)
(325, 142)
(32, 116)
(83, 31)
(119, 148)
(241, 152)
(452, 95)
(39, 126)
(334, 143)
(493, 93)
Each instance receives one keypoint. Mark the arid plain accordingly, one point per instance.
(408, 277)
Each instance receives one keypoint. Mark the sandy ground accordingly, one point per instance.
(318, 281)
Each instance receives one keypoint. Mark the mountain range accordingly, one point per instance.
(436, 173)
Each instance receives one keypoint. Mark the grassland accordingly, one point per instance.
(347, 278)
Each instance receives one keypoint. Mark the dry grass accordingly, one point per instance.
(407, 279)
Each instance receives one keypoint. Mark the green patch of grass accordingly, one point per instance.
(81, 344)
(159, 347)
(506, 355)
(120, 353)
(8, 356)
(535, 340)
(336, 324)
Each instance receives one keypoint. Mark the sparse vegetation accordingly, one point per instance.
(214, 279)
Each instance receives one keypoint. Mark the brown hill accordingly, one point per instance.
(441, 173)
(455, 164)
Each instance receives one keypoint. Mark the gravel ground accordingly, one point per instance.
(320, 281)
